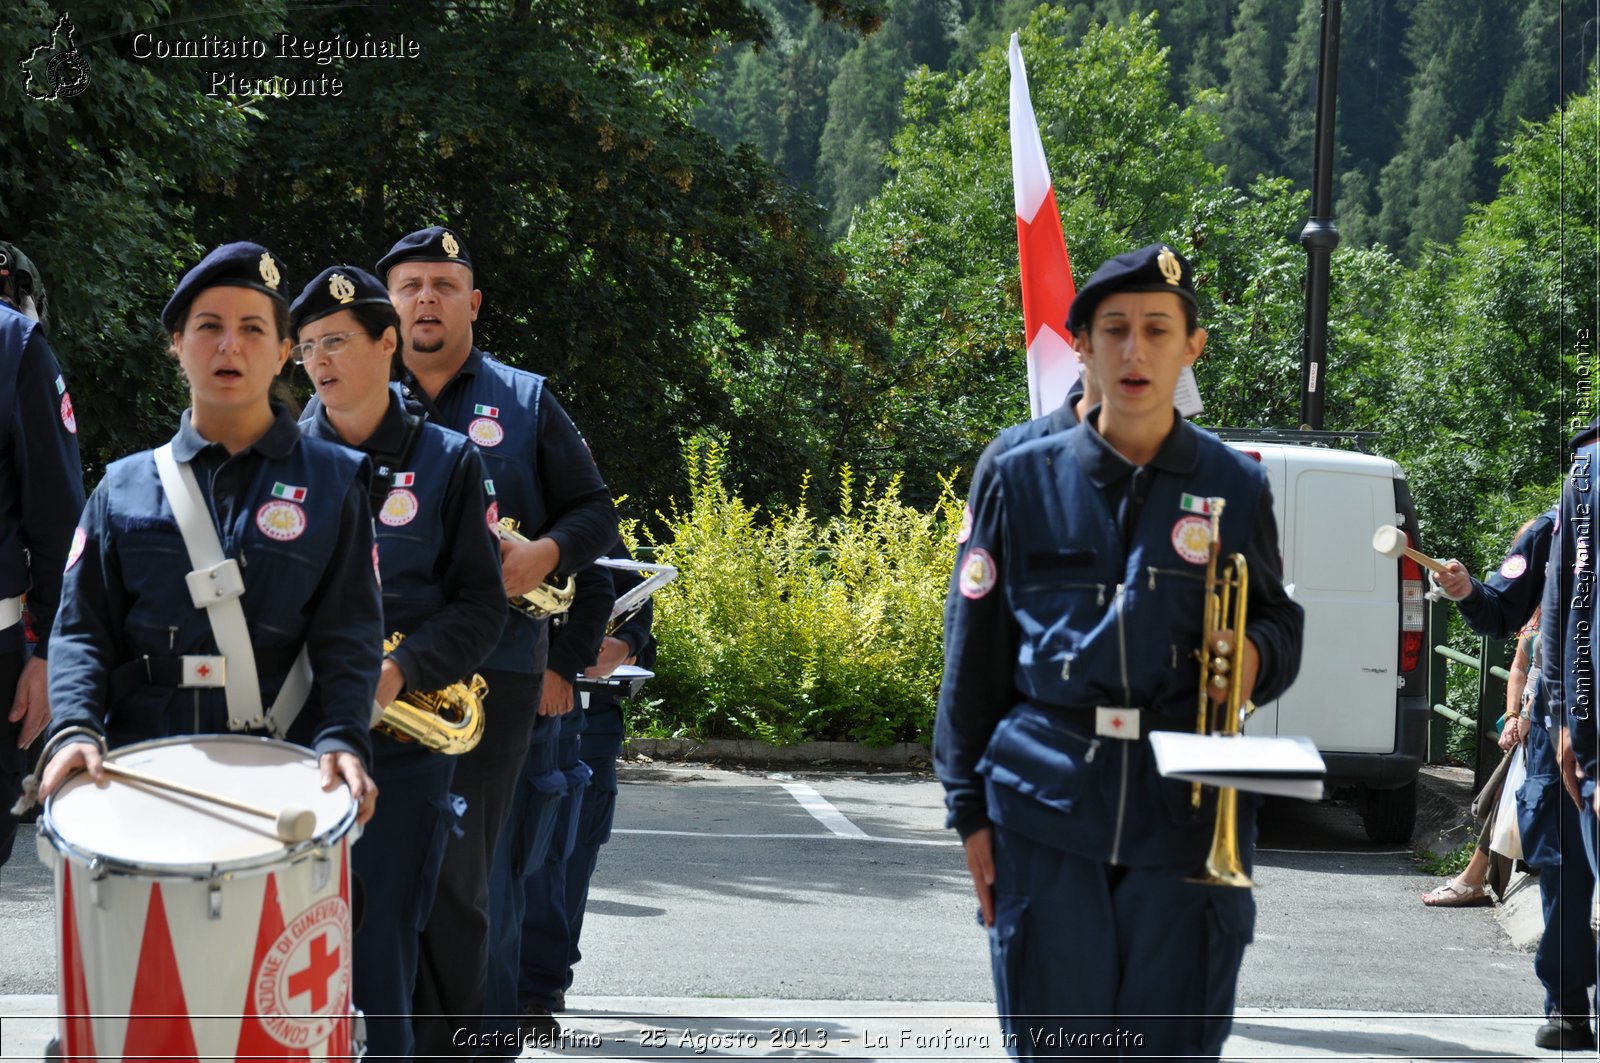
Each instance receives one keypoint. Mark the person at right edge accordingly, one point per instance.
(545, 478)
(41, 495)
(1566, 649)
(1080, 587)
(1551, 841)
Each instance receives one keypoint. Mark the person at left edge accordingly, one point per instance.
(439, 567)
(292, 512)
(41, 495)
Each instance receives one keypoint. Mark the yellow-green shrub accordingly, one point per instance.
(785, 628)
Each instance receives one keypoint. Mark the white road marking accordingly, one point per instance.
(822, 811)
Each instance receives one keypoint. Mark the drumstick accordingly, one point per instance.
(293, 824)
(1391, 542)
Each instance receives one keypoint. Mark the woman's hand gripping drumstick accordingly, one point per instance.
(293, 824)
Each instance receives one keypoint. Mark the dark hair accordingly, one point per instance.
(374, 318)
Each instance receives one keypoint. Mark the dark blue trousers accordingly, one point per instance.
(600, 752)
(453, 969)
(1091, 959)
(13, 761)
(397, 862)
(524, 841)
(545, 929)
(1552, 842)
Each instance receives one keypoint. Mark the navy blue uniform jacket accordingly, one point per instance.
(1566, 648)
(543, 476)
(438, 559)
(294, 513)
(41, 481)
(1062, 604)
(1499, 606)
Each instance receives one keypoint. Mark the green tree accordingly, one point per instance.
(99, 190)
(1494, 343)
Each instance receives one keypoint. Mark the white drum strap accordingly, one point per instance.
(215, 585)
(10, 612)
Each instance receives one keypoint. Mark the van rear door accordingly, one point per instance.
(1348, 592)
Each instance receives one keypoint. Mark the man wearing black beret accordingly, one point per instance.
(1077, 608)
(544, 478)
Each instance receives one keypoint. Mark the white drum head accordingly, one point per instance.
(158, 832)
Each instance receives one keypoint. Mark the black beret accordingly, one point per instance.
(240, 265)
(433, 244)
(334, 289)
(1157, 268)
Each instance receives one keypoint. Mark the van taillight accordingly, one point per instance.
(1413, 608)
(1256, 454)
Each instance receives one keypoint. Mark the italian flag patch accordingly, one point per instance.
(1194, 504)
(486, 411)
(404, 479)
(288, 491)
(488, 488)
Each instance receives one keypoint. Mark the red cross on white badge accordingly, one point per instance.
(203, 671)
(321, 966)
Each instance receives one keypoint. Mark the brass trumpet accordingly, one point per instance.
(449, 721)
(550, 597)
(1226, 595)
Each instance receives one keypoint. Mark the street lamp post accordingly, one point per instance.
(1319, 237)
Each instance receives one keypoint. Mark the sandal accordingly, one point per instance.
(1455, 894)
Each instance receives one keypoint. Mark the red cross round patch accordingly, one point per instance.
(1514, 566)
(977, 574)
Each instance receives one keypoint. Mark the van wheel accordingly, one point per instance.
(1391, 815)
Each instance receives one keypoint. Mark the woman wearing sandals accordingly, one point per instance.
(1467, 888)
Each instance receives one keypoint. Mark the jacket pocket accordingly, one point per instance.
(1039, 758)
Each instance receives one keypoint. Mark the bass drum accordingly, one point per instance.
(188, 930)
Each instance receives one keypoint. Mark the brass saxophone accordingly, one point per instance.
(449, 721)
(1226, 593)
(550, 597)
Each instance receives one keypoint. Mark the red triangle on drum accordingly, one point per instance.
(158, 1018)
(254, 1041)
(79, 1028)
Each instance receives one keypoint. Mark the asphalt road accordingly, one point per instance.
(731, 887)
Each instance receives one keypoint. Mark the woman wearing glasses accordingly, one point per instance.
(291, 512)
(440, 571)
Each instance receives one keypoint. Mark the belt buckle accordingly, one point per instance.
(203, 671)
(1117, 721)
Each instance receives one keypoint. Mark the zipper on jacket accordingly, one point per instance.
(1127, 700)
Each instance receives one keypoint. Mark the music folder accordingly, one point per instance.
(1285, 766)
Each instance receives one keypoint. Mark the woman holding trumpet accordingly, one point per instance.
(133, 656)
(439, 567)
(1075, 612)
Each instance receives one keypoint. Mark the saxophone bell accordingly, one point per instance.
(449, 721)
(551, 597)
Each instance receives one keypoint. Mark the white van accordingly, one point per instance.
(1362, 692)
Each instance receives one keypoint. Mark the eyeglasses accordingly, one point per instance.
(331, 345)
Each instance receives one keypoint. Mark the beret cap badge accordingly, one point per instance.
(1171, 269)
(448, 242)
(341, 288)
(269, 271)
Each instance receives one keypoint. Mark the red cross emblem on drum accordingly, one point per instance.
(302, 985)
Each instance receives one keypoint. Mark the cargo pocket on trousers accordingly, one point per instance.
(444, 819)
(1230, 926)
(1007, 945)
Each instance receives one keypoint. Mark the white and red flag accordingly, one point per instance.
(1047, 288)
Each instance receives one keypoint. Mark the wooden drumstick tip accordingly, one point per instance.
(296, 824)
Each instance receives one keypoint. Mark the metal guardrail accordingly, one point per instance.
(1472, 662)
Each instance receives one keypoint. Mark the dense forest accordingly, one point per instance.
(1430, 91)
(785, 228)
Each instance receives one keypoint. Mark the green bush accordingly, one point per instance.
(786, 628)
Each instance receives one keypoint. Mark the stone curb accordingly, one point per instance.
(744, 751)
